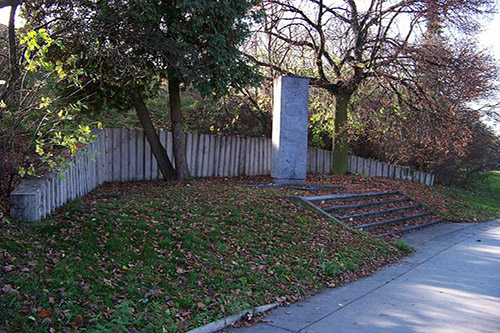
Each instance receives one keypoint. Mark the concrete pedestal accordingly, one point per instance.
(26, 202)
(290, 115)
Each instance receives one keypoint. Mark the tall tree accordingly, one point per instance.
(426, 119)
(341, 44)
(130, 43)
(27, 124)
(10, 70)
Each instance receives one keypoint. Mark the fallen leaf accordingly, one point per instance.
(44, 313)
(9, 290)
(33, 263)
(79, 320)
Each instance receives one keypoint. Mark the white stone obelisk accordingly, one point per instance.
(290, 115)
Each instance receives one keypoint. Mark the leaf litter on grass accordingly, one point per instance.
(162, 255)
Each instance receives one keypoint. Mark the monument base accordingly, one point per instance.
(288, 181)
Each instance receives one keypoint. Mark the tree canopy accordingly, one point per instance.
(131, 43)
(343, 44)
(383, 73)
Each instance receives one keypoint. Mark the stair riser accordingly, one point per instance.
(343, 197)
(366, 227)
(409, 228)
(378, 213)
(340, 209)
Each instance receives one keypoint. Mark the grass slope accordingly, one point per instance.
(479, 202)
(161, 256)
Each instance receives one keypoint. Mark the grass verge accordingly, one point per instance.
(479, 202)
(160, 256)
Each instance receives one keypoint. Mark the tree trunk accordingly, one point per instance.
(14, 65)
(340, 150)
(15, 72)
(1, 174)
(158, 150)
(178, 135)
(6, 3)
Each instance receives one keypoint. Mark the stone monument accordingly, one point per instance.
(290, 115)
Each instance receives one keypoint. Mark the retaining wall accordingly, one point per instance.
(125, 155)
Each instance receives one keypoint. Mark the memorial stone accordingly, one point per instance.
(289, 138)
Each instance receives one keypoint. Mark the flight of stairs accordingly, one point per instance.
(379, 213)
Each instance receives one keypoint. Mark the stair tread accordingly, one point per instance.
(409, 228)
(349, 195)
(392, 221)
(366, 204)
(378, 212)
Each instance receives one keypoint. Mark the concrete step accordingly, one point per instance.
(377, 213)
(339, 197)
(409, 228)
(391, 221)
(366, 204)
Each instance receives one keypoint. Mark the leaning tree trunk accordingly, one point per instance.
(178, 135)
(157, 148)
(340, 150)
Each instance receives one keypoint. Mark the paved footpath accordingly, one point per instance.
(451, 284)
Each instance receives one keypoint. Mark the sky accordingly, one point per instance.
(489, 38)
(4, 15)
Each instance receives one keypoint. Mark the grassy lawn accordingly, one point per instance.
(157, 255)
(163, 256)
(479, 202)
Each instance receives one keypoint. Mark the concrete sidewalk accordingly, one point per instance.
(451, 284)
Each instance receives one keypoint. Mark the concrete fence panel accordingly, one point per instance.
(125, 155)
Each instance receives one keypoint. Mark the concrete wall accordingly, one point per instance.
(125, 155)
